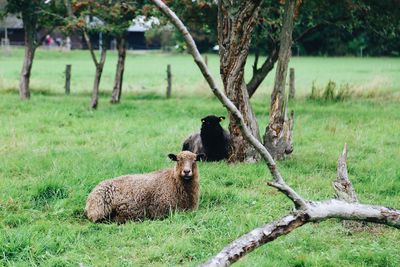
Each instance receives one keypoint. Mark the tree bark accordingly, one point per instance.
(278, 134)
(24, 91)
(99, 68)
(119, 73)
(97, 78)
(236, 22)
(30, 48)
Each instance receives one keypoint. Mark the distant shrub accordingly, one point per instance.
(49, 192)
(331, 93)
(163, 37)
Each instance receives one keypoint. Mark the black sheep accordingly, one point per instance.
(213, 140)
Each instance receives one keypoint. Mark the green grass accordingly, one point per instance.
(146, 73)
(54, 150)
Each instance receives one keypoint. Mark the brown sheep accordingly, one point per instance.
(150, 195)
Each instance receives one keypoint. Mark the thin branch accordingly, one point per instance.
(300, 202)
(307, 31)
(89, 44)
(289, 192)
(255, 65)
(260, 74)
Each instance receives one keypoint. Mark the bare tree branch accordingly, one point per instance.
(290, 193)
(340, 209)
(89, 44)
(260, 74)
(307, 31)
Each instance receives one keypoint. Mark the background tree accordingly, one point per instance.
(110, 19)
(120, 18)
(84, 17)
(97, 17)
(278, 134)
(38, 22)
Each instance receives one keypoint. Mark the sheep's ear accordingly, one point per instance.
(203, 120)
(173, 157)
(221, 118)
(200, 157)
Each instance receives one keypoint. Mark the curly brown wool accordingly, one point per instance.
(150, 195)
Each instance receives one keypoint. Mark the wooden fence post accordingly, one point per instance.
(67, 79)
(206, 60)
(169, 77)
(291, 84)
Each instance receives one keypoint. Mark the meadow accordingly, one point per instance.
(54, 150)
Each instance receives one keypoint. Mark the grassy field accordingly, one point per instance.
(54, 150)
(146, 73)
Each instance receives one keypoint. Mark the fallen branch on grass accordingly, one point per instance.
(306, 211)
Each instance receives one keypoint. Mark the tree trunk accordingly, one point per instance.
(97, 78)
(278, 134)
(30, 49)
(99, 68)
(169, 81)
(119, 74)
(235, 25)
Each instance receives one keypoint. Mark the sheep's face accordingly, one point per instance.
(211, 123)
(186, 165)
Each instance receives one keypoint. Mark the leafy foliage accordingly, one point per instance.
(321, 27)
(107, 17)
(37, 15)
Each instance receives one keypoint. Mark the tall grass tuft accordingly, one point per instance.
(48, 192)
(331, 93)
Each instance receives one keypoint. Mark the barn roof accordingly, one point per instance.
(11, 22)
